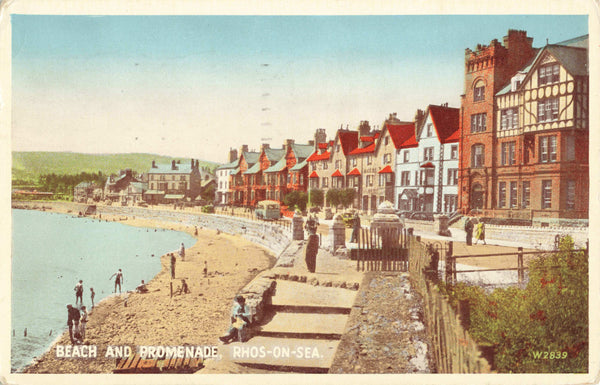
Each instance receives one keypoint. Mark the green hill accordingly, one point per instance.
(28, 166)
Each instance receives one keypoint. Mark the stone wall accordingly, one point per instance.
(537, 236)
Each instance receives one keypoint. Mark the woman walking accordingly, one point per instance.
(480, 232)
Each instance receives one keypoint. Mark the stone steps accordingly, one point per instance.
(304, 325)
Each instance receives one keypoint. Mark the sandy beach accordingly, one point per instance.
(156, 318)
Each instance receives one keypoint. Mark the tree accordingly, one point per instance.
(316, 197)
(347, 197)
(333, 197)
(297, 199)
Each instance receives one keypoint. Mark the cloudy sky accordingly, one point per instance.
(194, 86)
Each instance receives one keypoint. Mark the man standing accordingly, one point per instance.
(118, 279)
(355, 228)
(79, 292)
(469, 231)
(92, 295)
(182, 252)
(72, 319)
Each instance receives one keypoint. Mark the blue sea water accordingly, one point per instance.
(52, 252)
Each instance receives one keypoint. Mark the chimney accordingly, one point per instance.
(264, 146)
(364, 129)
(232, 155)
(153, 164)
(192, 163)
(128, 172)
(288, 143)
(419, 117)
(311, 142)
(173, 167)
(243, 149)
(320, 137)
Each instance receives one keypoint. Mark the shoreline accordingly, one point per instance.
(146, 320)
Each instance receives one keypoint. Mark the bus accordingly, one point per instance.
(268, 210)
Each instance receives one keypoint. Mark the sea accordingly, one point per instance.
(51, 252)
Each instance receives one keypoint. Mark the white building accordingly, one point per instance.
(223, 173)
(427, 175)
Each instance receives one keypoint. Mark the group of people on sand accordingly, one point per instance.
(479, 226)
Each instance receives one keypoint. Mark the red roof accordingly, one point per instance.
(337, 173)
(354, 172)
(403, 135)
(427, 165)
(386, 170)
(316, 156)
(313, 175)
(348, 140)
(367, 138)
(364, 150)
(445, 121)
(323, 146)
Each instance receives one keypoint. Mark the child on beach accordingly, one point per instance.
(142, 287)
(92, 295)
(83, 322)
(79, 292)
(183, 289)
(182, 252)
(118, 278)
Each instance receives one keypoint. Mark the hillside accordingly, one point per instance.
(28, 166)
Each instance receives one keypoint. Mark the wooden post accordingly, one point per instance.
(520, 265)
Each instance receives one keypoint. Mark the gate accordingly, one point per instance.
(381, 250)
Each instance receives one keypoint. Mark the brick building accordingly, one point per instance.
(524, 113)
(170, 183)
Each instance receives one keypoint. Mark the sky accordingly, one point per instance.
(196, 86)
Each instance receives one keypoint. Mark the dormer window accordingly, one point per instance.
(516, 81)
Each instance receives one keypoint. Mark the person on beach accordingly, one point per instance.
(480, 232)
(73, 316)
(92, 295)
(83, 322)
(183, 289)
(118, 279)
(182, 252)
(79, 292)
(173, 262)
(141, 288)
(240, 318)
(205, 270)
(469, 231)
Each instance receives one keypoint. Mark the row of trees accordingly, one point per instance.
(316, 197)
(64, 183)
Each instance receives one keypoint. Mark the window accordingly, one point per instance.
(387, 158)
(427, 177)
(369, 159)
(509, 118)
(452, 176)
(405, 178)
(548, 149)
(325, 164)
(385, 178)
(570, 204)
(548, 74)
(548, 110)
(508, 153)
(454, 151)
(478, 122)
(337, 164)
(325, 182)
(429, 130)
(525, 195)
(501, 194)
(570, 148)
(479, 92)
(416, 177)
(513, 195)
(450, 203)
(337, 148)
(369, 180)
(428, 153)
(387, 140)
(477, 155)
(353, 162)
(406, 156)
(546, 194)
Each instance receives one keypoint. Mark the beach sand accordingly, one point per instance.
(156, 318)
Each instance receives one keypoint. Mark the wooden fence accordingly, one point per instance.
(453, 348)
(381, 249)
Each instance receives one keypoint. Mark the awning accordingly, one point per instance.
(354, 172)
(154, 192)
(314, 175)
(427, 165)
(337, 173)
(174, 196)
(386, 170)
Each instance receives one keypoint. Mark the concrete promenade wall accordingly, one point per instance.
(541, 237)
